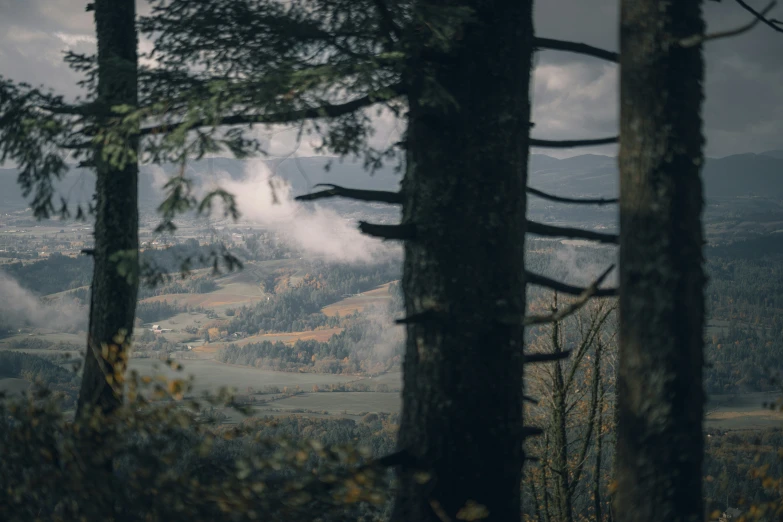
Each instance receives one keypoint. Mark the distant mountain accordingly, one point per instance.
(728, 177)
(774, 153)
(302, 173)
(584, 175)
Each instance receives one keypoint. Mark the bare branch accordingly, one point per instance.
(578, 201)
(325, 111)
(531, 431)
(567, 144)
(575, 47)
(559, 286)
(379, 196)
(760, 16)
(572, 308)
(422, 317)
(698, 39)
(533, 358)
(396, 232)
(533, 227)
(529, 399)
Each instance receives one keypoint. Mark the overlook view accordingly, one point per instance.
(391, 261)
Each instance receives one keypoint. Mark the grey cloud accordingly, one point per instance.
(743, 111)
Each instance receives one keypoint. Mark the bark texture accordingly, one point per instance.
(465, 194)
(115, 275)
(660, 394)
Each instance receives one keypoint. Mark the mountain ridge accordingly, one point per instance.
(583, 175)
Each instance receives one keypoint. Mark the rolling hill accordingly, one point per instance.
(587, 174)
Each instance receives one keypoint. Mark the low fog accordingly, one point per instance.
(19, 308)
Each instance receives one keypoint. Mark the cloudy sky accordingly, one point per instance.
(574, 96)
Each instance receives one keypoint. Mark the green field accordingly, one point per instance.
(211, 375)
(742, 412)
(336, 403)
(13, 386)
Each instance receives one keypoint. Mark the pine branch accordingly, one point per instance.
(388, 232)
(567, 144)
(324, 111)
(559, 286)
(578, 201)
(698, 39)
(379, 196)
(387, 23)
(570, 309)
(540, 229)
(575, 47)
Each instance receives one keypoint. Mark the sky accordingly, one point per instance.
(573, 96)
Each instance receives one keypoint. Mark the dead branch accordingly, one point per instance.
(388, 232)
(567, 144)
(575, 47)
(573, 307)
(534, 358)
(559, 315)
(422, 317)
(695, 40)
(773, 23)
(559, 286)
(540, 229)
(378, 196)
(578, 201)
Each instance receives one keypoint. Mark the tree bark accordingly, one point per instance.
(660, 393)
(115, 275)
(465, 193)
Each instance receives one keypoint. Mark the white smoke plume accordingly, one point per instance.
(267, 200)
(20, 308)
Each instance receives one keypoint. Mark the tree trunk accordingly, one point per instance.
(660, 393)
(115, 275)
(465, 194)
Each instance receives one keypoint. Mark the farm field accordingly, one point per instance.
(336, 403)
(359, 302)
(742, 412)
(77, 339)
(210, 375)
(12, 385)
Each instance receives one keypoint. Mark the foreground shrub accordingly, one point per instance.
(156, 459)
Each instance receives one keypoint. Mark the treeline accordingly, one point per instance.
(367, 345)
(159, 310)
(742, 468)
(743, 360)
(37, 369)
(58, 273)
(299, 307)
(54, 274)
(189, 285)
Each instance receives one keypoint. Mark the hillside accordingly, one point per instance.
(587, 174)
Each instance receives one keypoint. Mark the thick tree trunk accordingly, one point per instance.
(660, 394)
(465, 194)
(115, 276)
